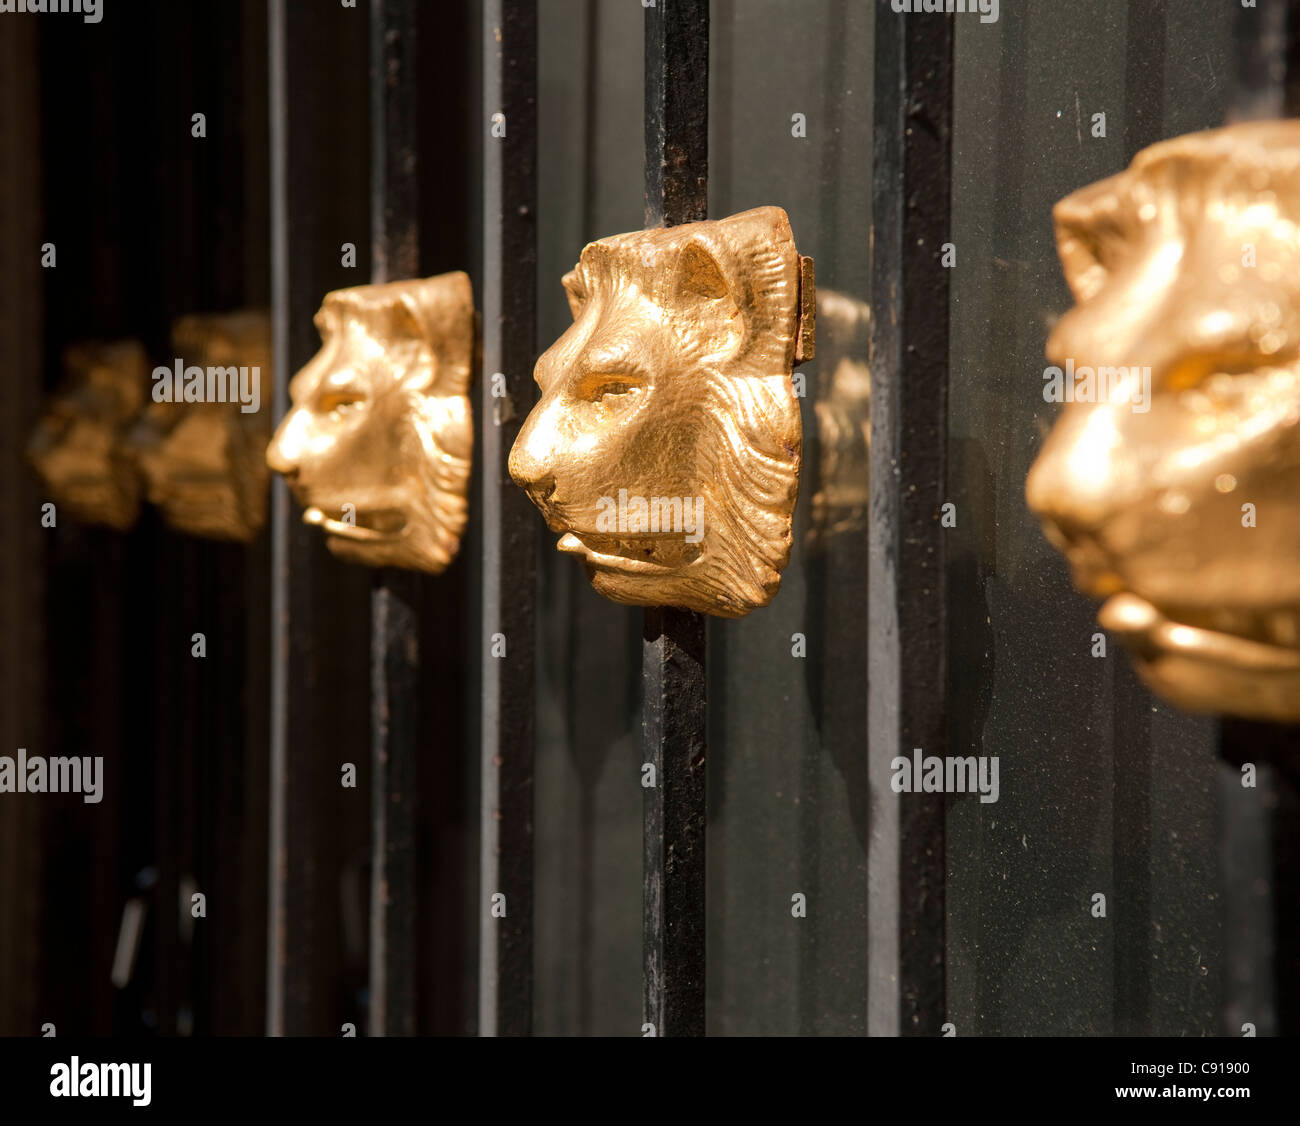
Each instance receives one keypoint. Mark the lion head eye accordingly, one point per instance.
(340, 402)
(597, 388)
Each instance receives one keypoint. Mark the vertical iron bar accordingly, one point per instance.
(290, 872)
(509, 519)
(23, 215)
(1266, 84)
(319, 605)
(248, 789)
(1260, 55)
(673, 668)
(575, 578)
(673, 740)
(907, 603)
(394, 637)
(676, 112)
(224, 757)
(1283, 756)
(1264, 967)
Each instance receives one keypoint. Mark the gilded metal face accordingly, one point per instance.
(205, 462)
(78, 445)
(1177, 498)
(378, 442)
(666, 444)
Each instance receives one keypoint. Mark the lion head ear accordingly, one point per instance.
(407, 321)
(327, 317)
(740, 278)
(1092, 226)
(575, 291)
(710, 311)
(439, 312)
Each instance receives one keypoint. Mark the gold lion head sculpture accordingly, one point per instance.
(377, 444)
(201, 441)
(79, 447)
(1171, 480)
(665, 446)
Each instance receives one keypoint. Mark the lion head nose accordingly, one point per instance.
(279, 458)
(534, 478)
(1075, 508)
(290, 443)
(541, 491)
(530, 466)
(276, 460)
(1078, 487)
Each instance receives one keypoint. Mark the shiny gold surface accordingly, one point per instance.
(378, 442)
(1187, 264)
(665, 446)
(78, 445)
(204, 462)
(841, 399)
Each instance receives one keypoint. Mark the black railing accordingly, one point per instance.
(319, 605)
(509, 561)
(673, 669)
(395, 596)
(908, 646)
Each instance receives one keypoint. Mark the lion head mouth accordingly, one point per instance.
(1218, 660)
(1271, 636)
(367, 525)
(651, 553)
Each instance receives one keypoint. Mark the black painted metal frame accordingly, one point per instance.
(673, 665)
(319, 605)
(1265, 84)
(288, 921)
(509, 563)
(907, 603)
(394, 603)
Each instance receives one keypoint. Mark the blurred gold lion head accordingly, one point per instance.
(377, 444)
(79, 446)
(666, 442)
(1173, 483)
(205, 461)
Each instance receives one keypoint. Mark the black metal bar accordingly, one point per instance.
(394, 180)
(509, 520)
(1264, 983)
(673, 664)
(588, 766)
(319, 605)
(394, 615)
(673, 740)
(290, 870)
(247, 791)
(1284, 848)
(23, 565)
(1259, 58)
(1266, 84)
(395, 711)
(446, 853)
(676, 112)
(907, 605)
